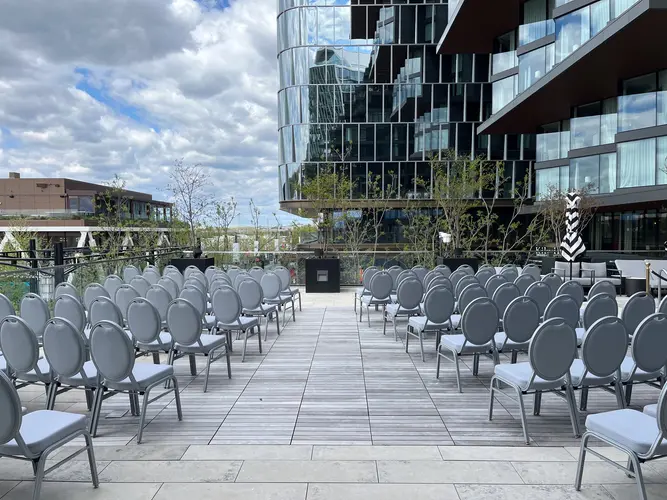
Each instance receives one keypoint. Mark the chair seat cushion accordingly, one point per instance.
(577, 371)
(394, 310)
(145, 374)
(371, 301)
(503, 342)
(77, 380)
(458, 344)
(639, 375)
(40, 429)
(246, 322)
(282, 299)
(209, 343)
(33, 376)
(630, 428)
(162, 343)
(651, 410)
(419, 324)
(261, 311)
(519, 374)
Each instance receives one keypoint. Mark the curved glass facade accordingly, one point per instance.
(362, 88)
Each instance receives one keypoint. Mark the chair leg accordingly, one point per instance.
(514, 357)
(421, 345)
(393, 321)
(97, 410)
(384, 323)
(142, 417)
(275, 314)
(639, 477)
(537, 405)
(177, 397)
(193, 365)
(407, 337)
(259, 339)
(229, 363)
(91, 460)
(458, 372)
(300, 302)
(628, 394)
(583, 399)
(355, 302)
(493, 379)
(293, 312)
(51, 394)
(39, 477)
(574, 414)
(475, 364)
(368, 315)
(156, 358)
(361, 310)
(582, 460)
(208, 370)
(437, 365)
(522, 410)
(133, 408)
(89, 399)
(618, 390)
(245, 342)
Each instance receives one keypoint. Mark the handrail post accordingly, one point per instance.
(59, 263)
(647, 264)
(34, 276)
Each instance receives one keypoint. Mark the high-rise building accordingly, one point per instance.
(589, 77)
(363, 89)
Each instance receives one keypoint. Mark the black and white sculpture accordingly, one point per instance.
(572, 247)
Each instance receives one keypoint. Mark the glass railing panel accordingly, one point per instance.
(585, 132)
(452, 7)
(534, 31)
(558, 3)
(637, 111)
(503, 91)
(662, 107)
(548, 146)
(504, 61)
(564, 144)
(608, 128)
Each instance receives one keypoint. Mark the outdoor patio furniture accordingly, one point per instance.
(170, 269)
(66, 288)
(124, 295)
(494, 282)
(140, 284)
(171, 285)
(421, 273)
(35, 436)
(440, 280)
(184, 323)
(285, 279)
(256, 273)
(640, 435)
(113, 354)
(408, 296)
(104, 309)
(444, 270)
(227, 308)
(93, 291)
(438, 308)
(470, 293)
(531, 270)
(210, 272)
(504, 295)
(35, 312)
(483, 274)
(271, 286)
(541, 293)
(177, 277)
(395, 272)
(160, 298)
(111, 284)
(520, 320)
(523, 282)
(189, 270)
(602, 286)
(431, 275)
(380, 288)
(193, 295)
(145, 326)
(551, 352)
(565, 307)
(574, 290)
(69, 308)
(232, 272)
(466, 269)
(554, 281)
(462, 283)
(479, 324)
(130, 272)
(152, 275)
(511, 273)
(252, 301)
(599, 306)
(638, 307)
(241, 277)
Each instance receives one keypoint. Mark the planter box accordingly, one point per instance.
(200, 264)
(322, 276)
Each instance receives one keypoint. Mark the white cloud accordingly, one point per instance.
(158, 80)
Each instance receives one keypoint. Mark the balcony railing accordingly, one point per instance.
(552, 146)
(452, 7)
(534, 31)
(642, 110)
(504, 61)
(592, 131)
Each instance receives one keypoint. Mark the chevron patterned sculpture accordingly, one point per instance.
(572, 247)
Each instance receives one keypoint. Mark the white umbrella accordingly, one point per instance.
(572, 247)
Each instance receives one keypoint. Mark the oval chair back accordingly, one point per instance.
(177, 277)
(6, 307)
(574, 290)
(112, 351)
(152, 275)
(381, 285)
(484, 274)
(171, 286)
(637, 308)
(479, 322)
(170, 269)
(444, 270)
(649, 343)
(250, 292)
(189, 270)
(463, 283)
(140, 284)
(232, 273)
(552, 349)
(124, 295)
(284, 275)
(431, 275)
(69, 308)
(493, 283)
(421, 272)
(554, 281)
(457, 276)
(521, 319)
(532, 270)
(217, 283)
(104, 309)
(604, 347)
(541, 293)
(35, 312)
(184, 321)
(369, 272)
(239, 278)
(130, 272)
(409, 294)
(11, 413)
(395, 272)
(196, 283)
(111, 284)
(66, 288)
(599, 306)
(93, 291)
(160, 297)
(256, 273)
(407, 273)
(271, 285)
(511, 273)
(438, 305)
(466, 269)
(441, 280)
(565, 307)
(199, 276)
(210, 272)
(523, 282)
(470, 293)
(19, 345)
(143, 320)
(193, 295)
(227, 305)
(505, 294)
(64, 348)
(602, 286)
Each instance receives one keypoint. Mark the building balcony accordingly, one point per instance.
(589, 70)
(504, 61)
(532, 32)
(552, 146)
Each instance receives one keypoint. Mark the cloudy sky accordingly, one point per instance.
(93, 88)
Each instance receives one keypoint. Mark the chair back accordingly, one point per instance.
(6, 307)
(638, 307)
(565, 307)
(227, 305)
(381, 285)
(124, 295)
(143, 320)
(232, 272)
(431, 275)
(199, 276)
(444, 270)
(160, 297)
(93, 291)
(604, 347)
(69, 308)
(66, 288)
(177, 277)
(170, 269)
(486, 266)
(493, 283)
(239, 278)
(64, 347)
(250, 292)
(463, 284)
(210, 272)
(552, 349)
(541, 293)
(194, 282)
(130, 272)
(470, 293)
(140, 284)
(152, 275)
(479, 322)
(602, 286)
(111, 284)
(11, 413)
(505, 294)
(184, 322)
(511, 273)
(193, 295)
(484, 274)
(369, 272)
(395, 272)
(19, 345)
(661, 413)
(112, 351)
(171, 286)
(407, 273)
(574, 290)
(523, 282)
(189, 270)
(521, 319)
(409, 294)
(104, 309)
(284, 275)
(599, 306)
(441, 280)
(256, 273)
(554, 281)
(649, 343)
(456, 276)
(271, 285)
(35, 312)
(466, 269)
(217, 283)
(532, 270)
(421, 272)
(438, 304)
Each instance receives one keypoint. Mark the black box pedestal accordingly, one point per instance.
(200, 264)
(322, 276)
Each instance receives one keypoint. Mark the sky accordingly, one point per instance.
(94, 88)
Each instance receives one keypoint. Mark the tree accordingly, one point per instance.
(378, 202)
(113, 209)
(225, 213)
(189, 189)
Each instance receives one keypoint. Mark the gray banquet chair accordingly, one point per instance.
(35, 312)
(69, 308)
(169, 268)
(124, 295)
(541, 293)
(599, 306)
(209, 272)
(6, 307)
(443, 269)
(493, 283)
(466, 269)
(35, 436)
(177, 277)
(93, 291)
(380, 288)
(554, 281)
(438, 307)
(193, 295)
(456, 276)
(140, 284)
(430, 276)
(66, 288)
(227, 309)
(271, 286)
(470, 293)
(184, 323)
(523, 282)
(602, 352)
(662, 307)
(479, 324)
(232, 272)
(520, 321)
(113, 354)
(21, 351)
(160, 298)
(602, 286)
(532, 270)
(104, 309)
(256, 273)
(463, 283)
(145, 326)
(574, 290)
(408, 297)
(395, 272)
(565, 307)
(638, 307)
(285, 278)
(130, 272)
(111, 284)
(503, 295)
(551, 352)
(511, 273)
(421, 273)
(441, 281)
(171, 286)
(252, 301)
(189, 270)
(639, 435)
(483, 274)
(152, 275)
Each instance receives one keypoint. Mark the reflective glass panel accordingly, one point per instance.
(636, 163)
(585, 174)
